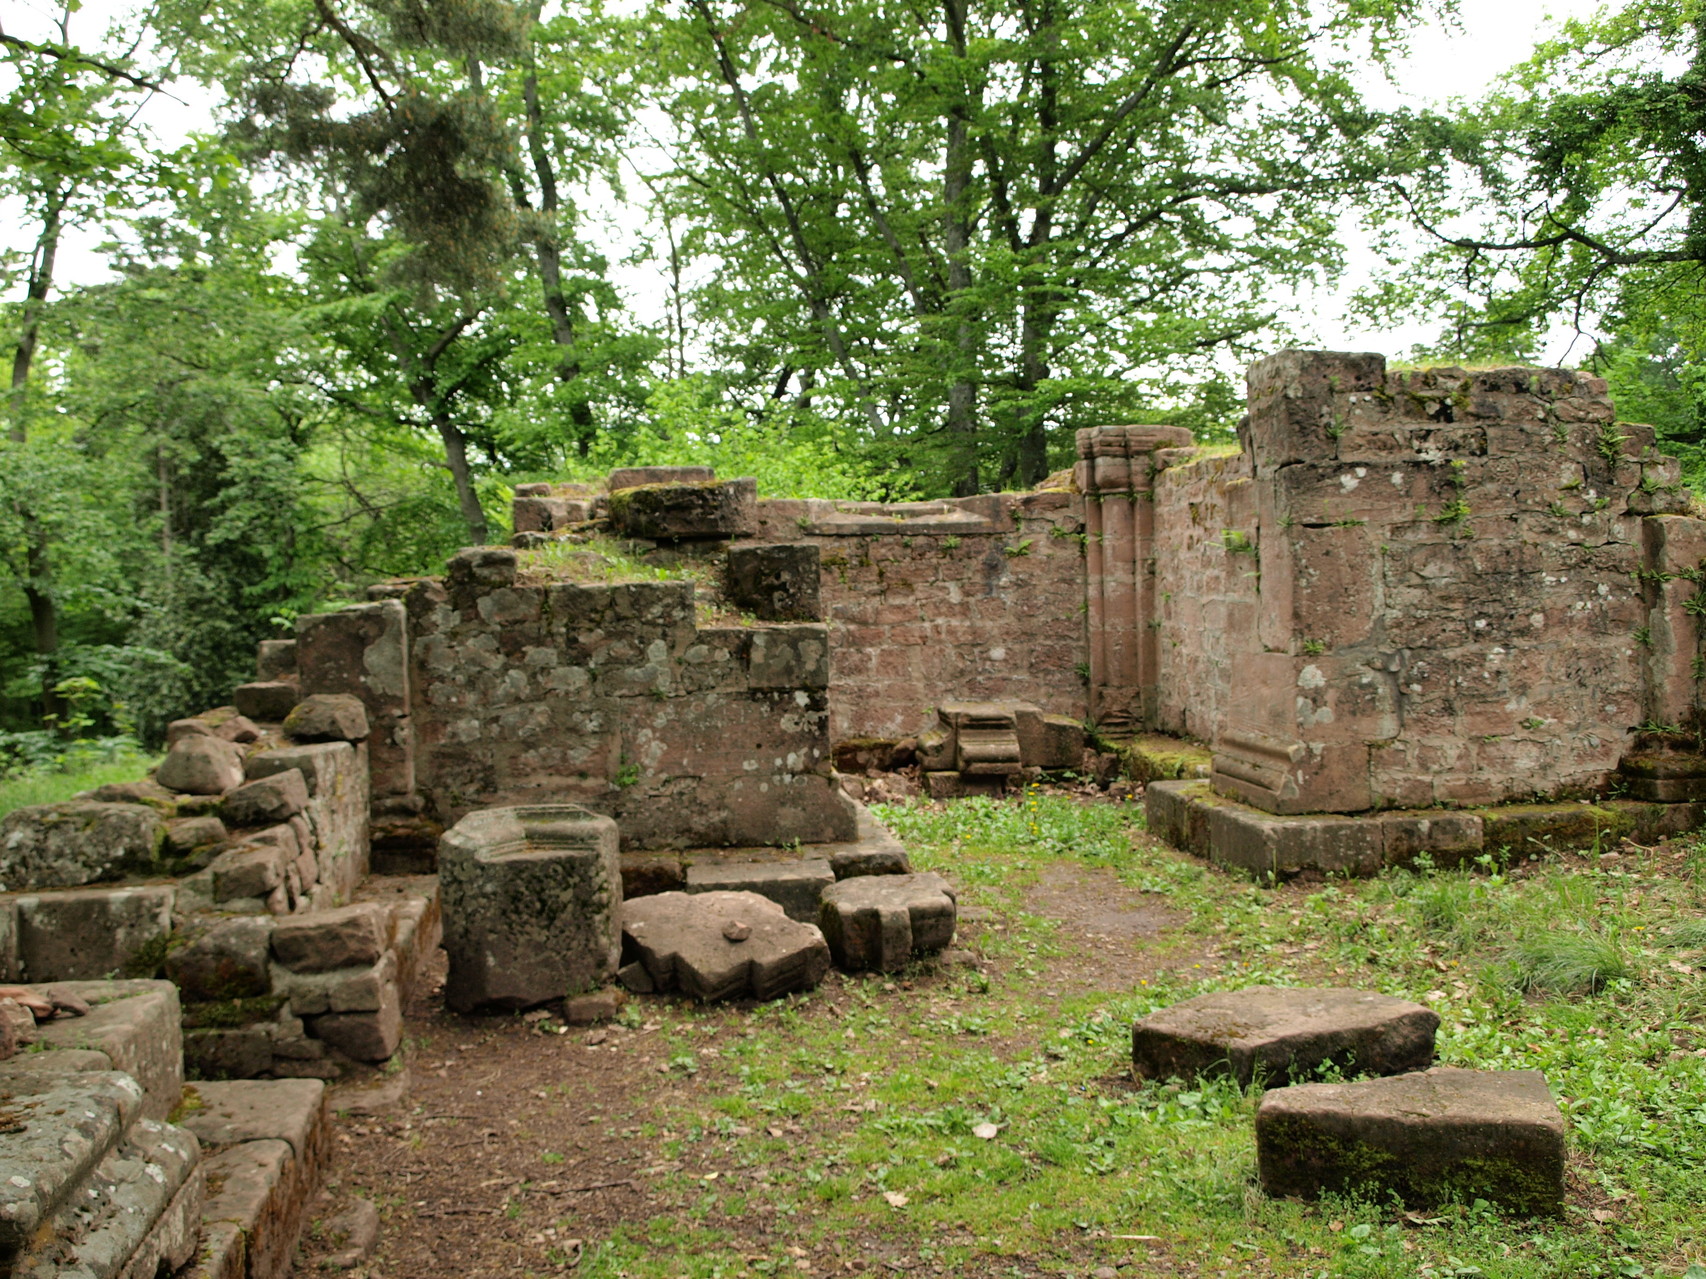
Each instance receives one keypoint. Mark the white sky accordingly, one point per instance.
(1445, 62)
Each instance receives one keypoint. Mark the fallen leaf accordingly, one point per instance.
(986, 1131)
(1604, 1214)
(1335, 1226)
(895, 1198)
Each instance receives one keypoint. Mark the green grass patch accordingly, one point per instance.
(55, 787)
(950, 1122)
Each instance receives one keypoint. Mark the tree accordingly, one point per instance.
(67, 155)
(976, 224)
(1576, 192)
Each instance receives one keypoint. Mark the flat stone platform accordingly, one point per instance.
(1190, 815)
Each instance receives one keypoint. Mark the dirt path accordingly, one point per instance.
(519, 1145)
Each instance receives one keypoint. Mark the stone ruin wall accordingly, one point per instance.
(515, 690)
(1406, 589)
(975, 599)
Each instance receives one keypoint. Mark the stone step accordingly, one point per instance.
(796, 886)
(136, 1024)
(269, 1143)
(1426, 1137)
(137, 1213)
(55, 1129)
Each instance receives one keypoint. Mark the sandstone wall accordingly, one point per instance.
(970, 599)
(1207, 587)
(610, 696)
(1451, 609)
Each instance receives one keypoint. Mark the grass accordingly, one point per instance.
(954, 1122)
(52, 788)
(598, 560)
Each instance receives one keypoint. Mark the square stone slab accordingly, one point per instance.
(1283, 1032)
(1426, 1137)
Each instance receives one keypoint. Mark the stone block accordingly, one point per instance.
(629, 477)
(320, 764)
(234, 1052)
(1050, 742)
(267, 800)
(134, 1025)
(63, 1127)
(345, 937)
(795, 886)
(872, 851)
(1521, 830)
(1446, 838)
(186, 834)
(144, 791)
(1278, 1033)
(1428, 1137)
(134, 1217)
(529, 897)
(179, 729)
(247, 871)
(81, 842)
(294, 1111)
(239, 729)
(92, 933)
(275, 659)
(364, 651)
(327, 717)
(257, 1194)
(1279, 847)
(201, 765)
(594, 1007)
(686, 511)
(347, 990)
(366, 1036)
(268, 701)
(946, 785)
(776, 582)
(226, 959)
(714, 946)
(883, 922)
(789, 657)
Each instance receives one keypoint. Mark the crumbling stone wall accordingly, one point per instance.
(1207, 588)
(608, 695)
(978, 599)
(1409, 588)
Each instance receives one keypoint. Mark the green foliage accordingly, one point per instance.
(966, 238)
(790, 450)
(46, 769)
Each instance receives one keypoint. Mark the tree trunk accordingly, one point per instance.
(456, 458)
(956, 183)
(38, 565)
(550, 253)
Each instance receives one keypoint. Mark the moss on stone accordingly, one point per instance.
(1523, 829)
(226, 1014)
